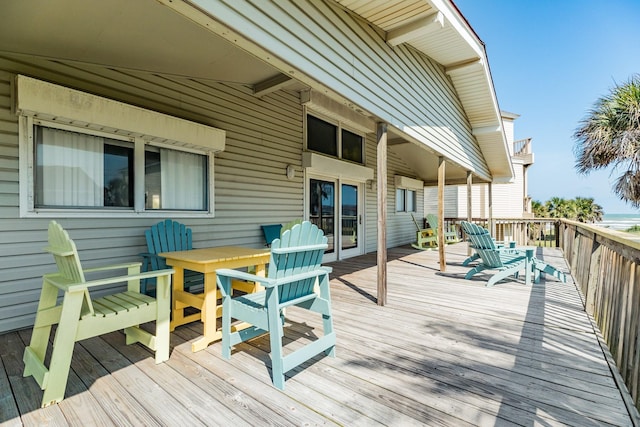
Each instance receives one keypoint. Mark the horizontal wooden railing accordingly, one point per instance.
(523, 231)
(604, 264)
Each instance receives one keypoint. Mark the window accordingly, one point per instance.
(175, 180)
(405, 200)
(332, 140)
(80, 169)
(83, 155)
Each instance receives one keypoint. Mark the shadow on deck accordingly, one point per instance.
(443, 351)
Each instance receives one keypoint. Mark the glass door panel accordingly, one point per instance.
(322, 207)
(349, 216)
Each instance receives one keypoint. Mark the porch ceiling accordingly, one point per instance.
(115, 34)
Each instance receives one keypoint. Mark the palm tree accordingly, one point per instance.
(610, 136)
(587, 210)
(557, 207)
(539, 209)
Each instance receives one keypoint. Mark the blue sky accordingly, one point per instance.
(550, 61)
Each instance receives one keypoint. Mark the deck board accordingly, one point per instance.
(444, 351)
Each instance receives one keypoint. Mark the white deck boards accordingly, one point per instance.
(443, 351)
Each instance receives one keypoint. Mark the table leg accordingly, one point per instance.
(528, 266)
(209, 314)
(177, 314)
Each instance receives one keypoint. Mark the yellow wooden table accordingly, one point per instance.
(207, 261)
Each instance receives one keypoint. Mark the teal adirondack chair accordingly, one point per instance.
(79, 316)
(271, 232)
(294, 269)
(470, 229)
(507, 260)
(450, 233)
(168, 236)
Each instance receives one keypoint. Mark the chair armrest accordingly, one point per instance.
(269, 283)
(112, 267)
(149, 255)
(59, 282)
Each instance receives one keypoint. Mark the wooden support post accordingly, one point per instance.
(492, 224)
(469, 207)
(441, 176)
(382, 213)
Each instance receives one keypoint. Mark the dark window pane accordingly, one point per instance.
(322, 208)
(322, 136)
(351, 146)
(118, 176)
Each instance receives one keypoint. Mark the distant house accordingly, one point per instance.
(509, 200)
(227, 115)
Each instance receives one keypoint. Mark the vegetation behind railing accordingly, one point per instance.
(604, 264)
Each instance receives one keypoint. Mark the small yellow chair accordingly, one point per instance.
(79, 317)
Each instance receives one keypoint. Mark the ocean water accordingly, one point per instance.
(619, 221)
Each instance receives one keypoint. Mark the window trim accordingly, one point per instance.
(340, 127)
(405, 197)
(27, 184)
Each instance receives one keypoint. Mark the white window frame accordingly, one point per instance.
(27, 183)
(340, 127)
(60, 106)
(406, 194)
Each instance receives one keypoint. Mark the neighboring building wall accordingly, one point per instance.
(508, 199)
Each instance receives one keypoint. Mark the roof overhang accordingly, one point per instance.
(99, 34)
(438, 29)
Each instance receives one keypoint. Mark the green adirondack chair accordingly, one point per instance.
(294, 269)
(450, 233)
(168, 236)
(426, 238)
(79, 316)
(507, 260)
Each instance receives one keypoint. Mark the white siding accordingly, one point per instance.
(343, 52)
(251, 188)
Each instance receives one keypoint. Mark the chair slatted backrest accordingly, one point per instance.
(298, 250)
(432, 219)
(167, 236)
(483, 244)
(65, 254)
(478, 236)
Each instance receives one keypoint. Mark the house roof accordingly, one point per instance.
(439, 30)
(100, 34)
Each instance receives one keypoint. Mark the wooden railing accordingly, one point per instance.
(605, 265)
(523, 231)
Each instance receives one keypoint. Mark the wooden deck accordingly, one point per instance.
(444, 351)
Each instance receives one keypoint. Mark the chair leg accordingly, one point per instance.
(42, 329)
(503, 274)
(226, 317)
(327, 317)
(163, 301)
(275, 340)
(475, 270)
(63, 348)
